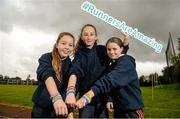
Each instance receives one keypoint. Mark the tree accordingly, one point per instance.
(141, 80)
(167, 71)
(28, 77)
(176, 64)
(1, 77)
(6, 77)
(173, 71)
(154, 77)
(176, 71)
(178, 44)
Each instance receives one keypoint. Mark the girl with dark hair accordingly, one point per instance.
(88, 66)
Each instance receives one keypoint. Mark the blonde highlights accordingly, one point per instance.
(56, 59)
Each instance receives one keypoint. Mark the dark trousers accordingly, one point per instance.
(93, 111)
(129, 114)
(39, 112)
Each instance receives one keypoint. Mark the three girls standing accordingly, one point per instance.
(90, 62)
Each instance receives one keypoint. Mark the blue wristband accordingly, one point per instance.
(86, 99)
(71, 91)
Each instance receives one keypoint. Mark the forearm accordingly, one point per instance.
(71, 88)
(126, 38)
(72, 81)
(90, 94)
(51, 86)
(71, 91)
(102, 86)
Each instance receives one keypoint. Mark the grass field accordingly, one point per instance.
(165, 103)
(17, 94)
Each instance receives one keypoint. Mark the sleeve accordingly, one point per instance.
(126, 48)
(45, 68)
(108, 97)
(118, 77)
(76, 68)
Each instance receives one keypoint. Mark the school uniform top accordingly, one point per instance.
(41, 96)
(89, 65)
(122, 81)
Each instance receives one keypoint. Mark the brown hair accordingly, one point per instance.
(80, 41)
(56, 59)
(116, 40)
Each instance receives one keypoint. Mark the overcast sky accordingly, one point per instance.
(29, 28)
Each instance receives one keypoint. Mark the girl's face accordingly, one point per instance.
(113, 50)
(89, 36)
(65, 46)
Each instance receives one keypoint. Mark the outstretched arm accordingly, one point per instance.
(58, 103)
(71, 91)
(118, 77)
(75, 73)
(85, 99)
(45, 73)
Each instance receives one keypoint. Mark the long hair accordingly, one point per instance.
(80, 41)
(56, 59)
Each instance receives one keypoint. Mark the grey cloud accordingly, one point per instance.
(154, 18)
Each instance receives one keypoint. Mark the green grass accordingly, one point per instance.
(166, 101)
(17, 94)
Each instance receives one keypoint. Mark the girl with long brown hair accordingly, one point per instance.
(88, 65)
(52, 74)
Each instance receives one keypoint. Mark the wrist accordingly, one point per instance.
(125, 43)
(71, 89)
(88, 97)
(56, 97)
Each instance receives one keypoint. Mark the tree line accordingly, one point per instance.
(170, 74)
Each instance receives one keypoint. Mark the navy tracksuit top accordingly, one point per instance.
(122, 81)
(89, 65)
(41, 96)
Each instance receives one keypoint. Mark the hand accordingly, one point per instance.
(70, 115)
(85, 99)
(80, 103)
(71, 100)
(109, 106)
(126, 38)
(60, 108)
